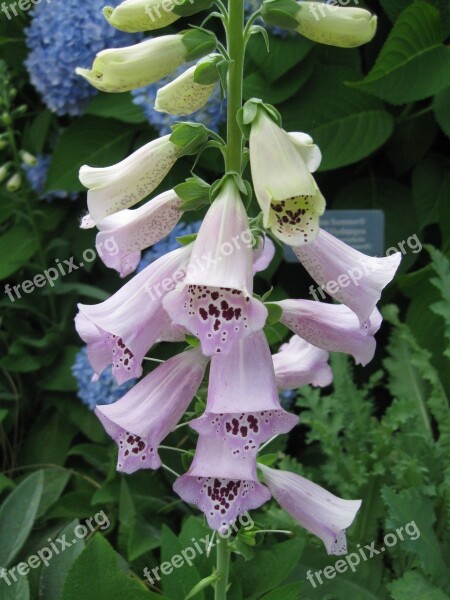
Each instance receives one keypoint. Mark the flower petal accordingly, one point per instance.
(299, 363)
(219, 317)
(350, 276)
(317, 510)
(222, 487)
(263, 254)
(123, 235)
(120, 186)
(140, 420)
(131, 320)
(334, 328)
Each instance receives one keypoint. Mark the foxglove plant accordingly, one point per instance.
(202, 293)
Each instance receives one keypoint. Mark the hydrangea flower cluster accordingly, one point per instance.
(36, 175)
(205, 287)
(62, 36)
(212, 114)
(92, 390)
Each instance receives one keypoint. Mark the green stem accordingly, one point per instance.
(236, 51)
(223, 567)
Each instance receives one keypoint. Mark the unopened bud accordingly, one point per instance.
(28, 158)
(14, 183)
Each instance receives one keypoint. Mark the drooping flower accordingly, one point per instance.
(243, 406)
(215, 301)
(37, 176)
(132, 67)
(211, 115)
(349, 276)
(191, 90)
(219, 485)
(323, 22)
(299, 363)
(93, 390)
(122, 329)
(317, 510)
(62, 36)
(141, 420)
(291, 203)
(148, 15)
(334, 328)
(168, 243)
(115, 188)
(135, 230)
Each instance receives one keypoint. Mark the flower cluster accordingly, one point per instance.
(205, 289)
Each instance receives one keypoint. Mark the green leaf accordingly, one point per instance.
(441, 106)
(17, 516)
(287, 592)
(413, 64)
(346, 124)
(283, 56)
(179, 581)
(269, 568)
(52, 578)
(116, 106)
(89, 141)
(201, 585)
(17, 246)
(97, 575)
(55, 480)
(427, 179)
(409, 506)
(414, 585)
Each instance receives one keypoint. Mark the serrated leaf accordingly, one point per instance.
(17, 516)
(413, 64)
(414, 585)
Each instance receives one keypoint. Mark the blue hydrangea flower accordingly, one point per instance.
(37, 175)
(104, 391)
(212, 115)
(167, 244)
(252, 6)
(287, 398)
(62, 36)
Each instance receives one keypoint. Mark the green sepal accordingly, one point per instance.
(201, 585)
(275, 313)
(281, 13)
(186, 8)
(249, 112)
(189, 137)
(194, 192)
(268, 460)
(198, 42)
(207, 70)
(191, 339)
(185, 240)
